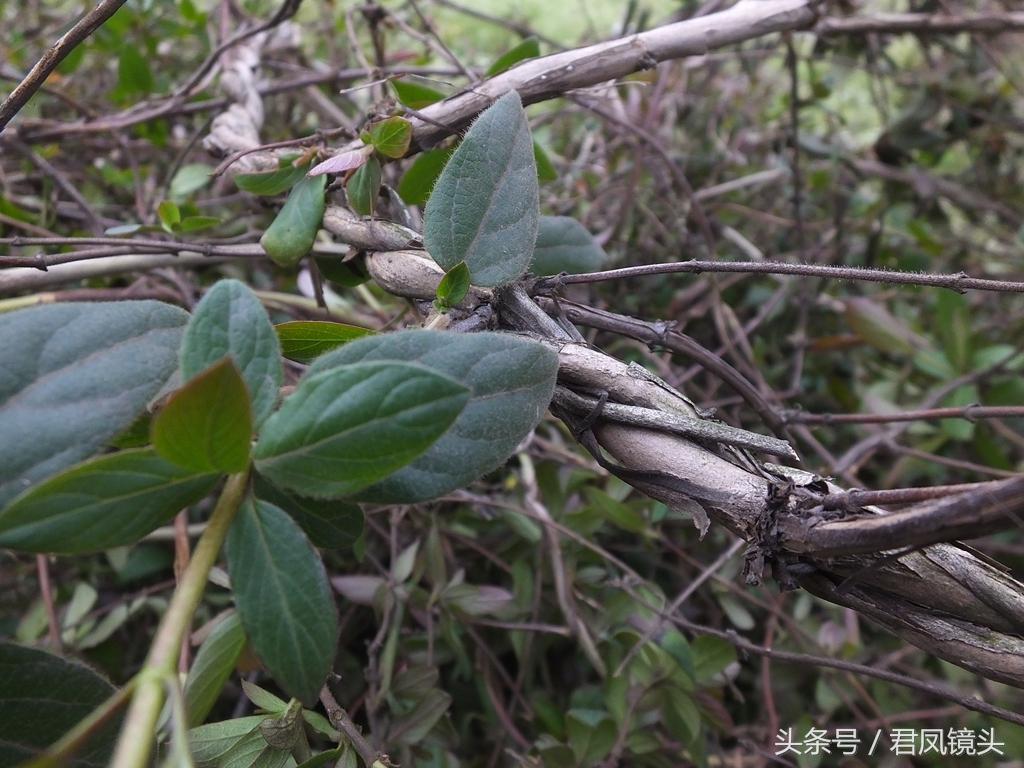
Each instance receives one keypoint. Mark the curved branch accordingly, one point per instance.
(941, 598)
(49, 61)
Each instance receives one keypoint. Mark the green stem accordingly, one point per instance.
(136, 740)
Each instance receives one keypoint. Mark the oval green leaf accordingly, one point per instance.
(350, 426)
(271, 182)
(565, 245)
(74, 377)
(415, 95)
(483, 210)
(390, 137)
(212, 667)
(283, 598)
(329, 523)
(453, 286)
(110, 501)
(206, 426)
(364, 186)
(305, 340)
(417, 183)
(347, 273)
(44, 696)
(545, 169)
(527, 49)
(291, 235)
(169, 214)
(511, 380)
(231, 321)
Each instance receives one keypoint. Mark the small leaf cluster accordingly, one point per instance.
(369, 420)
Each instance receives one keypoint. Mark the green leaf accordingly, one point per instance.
(330, 523)
(196, 224)
(676, 645)
(453, 286)
(212, 667)
(564, 245)
(511, 380)
(960, 429)
(390, 137)
(418, 182)
(880, 328)
(545, 169)
(74, 377)
(412, 727)
(591, 735)
(109, 501)
(169, 214)
(618, 513)
(477, 600)
(711, 655)
(681, 714)
(271, 182)
(527, 49)
(483, 210)
(42, 697)
(304, 340)
(953, 314)
(134, 76)
(333, 758)
(231, 321)
(415, 95)
(283, 598)
(350, 426)
(263, 699)
(290, 236)
(189, 178)
(348, 273)
(206, 426)
(363, 187)
(211, 743)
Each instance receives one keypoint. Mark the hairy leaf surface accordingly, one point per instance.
(329, 523)
(511, 380)
(43, 696)
(283, 598)
(231, 321)
(565, 245)
(483, 210)
(290, 236)
(74, 377)
(206, 426)
(109, 501)
(347, 427)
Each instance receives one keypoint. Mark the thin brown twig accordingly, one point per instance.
(48, 62)
(794, 118)
(968, 412)
(46, 591)
(854, 500)
(960, 282)
(921, 24)
(340, 719)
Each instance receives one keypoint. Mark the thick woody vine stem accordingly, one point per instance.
(892, 568)
(552, 76)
